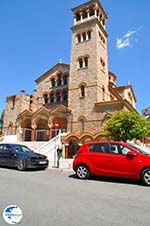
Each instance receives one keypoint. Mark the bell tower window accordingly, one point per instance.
(78, 38)
(83, 62)
(103, 93)
(82, 91)
(80, 63)
(84, 36)
(89, 35)
(86, 61)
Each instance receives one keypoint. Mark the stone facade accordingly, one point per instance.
(80, 97)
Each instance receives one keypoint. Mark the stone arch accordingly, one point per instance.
(106, 118)
(42, 128)
(73, 146)
(10, 128)
(26, 129)
(86, 138)
(82, 121)
(100, 137)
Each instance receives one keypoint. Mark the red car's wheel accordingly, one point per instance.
(82, 172)
(145, 176)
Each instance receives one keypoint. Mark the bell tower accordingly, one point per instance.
(88, 81)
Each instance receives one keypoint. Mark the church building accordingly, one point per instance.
(76, 98)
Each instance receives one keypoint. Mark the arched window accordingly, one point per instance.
(82, 91)
(80, 63)
(52, 97)
(59, 80)
(45, 98)
(92, 11)
(103, 93)
(78, 38)
(65, 79)
(58, 97)
(84, 36)
(82, 124)
(84, 14)
(53, 82)
(65, 95)
(86, 61)
(89, 35)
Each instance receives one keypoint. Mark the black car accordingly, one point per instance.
(20, 156)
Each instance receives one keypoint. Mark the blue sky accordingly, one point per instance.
(35, 35)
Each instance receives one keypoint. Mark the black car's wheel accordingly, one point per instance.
(82, 172)
(145, 176)
(20, 164)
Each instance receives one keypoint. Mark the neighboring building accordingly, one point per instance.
(1, 122)
(146, 113)
(80, 96)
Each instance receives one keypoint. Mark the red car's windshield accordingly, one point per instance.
(139, 149)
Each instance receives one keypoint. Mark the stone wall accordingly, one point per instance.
(14, 106)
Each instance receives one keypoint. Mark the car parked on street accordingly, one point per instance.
(21, 157)
(112, 159)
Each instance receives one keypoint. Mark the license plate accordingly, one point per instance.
(42, 162)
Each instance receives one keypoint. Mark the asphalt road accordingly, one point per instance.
(55, 198)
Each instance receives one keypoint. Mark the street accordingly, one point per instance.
(56, 198)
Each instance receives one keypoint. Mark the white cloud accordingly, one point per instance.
(129, 33)
(122, 43)
(126, 40)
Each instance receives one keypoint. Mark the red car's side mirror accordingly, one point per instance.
(131, 154)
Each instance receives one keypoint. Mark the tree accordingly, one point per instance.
(123, 126)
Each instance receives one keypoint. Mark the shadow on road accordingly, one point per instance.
(26, 170)
(110, 180)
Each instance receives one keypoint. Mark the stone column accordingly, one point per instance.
(50, 125)
(33, 135)
(87, 37)
(83, 62)
(81, 16)
(75, 20)
(50, 133)
(88, 13)
(66, 151)
(95, 12)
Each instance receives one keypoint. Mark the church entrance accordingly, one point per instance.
(27, 134)
(73, 148)
(42, 135)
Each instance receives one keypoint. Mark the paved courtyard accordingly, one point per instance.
(56, 198)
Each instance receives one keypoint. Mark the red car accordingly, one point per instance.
(113, 159)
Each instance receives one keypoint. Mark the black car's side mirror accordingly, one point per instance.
(131, 154)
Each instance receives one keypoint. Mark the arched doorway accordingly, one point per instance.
(27, 130)
(73, 148)
(42, 130)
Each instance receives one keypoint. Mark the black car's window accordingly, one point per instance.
(7, 148)
(1, 147)
(20, 148)
(118, 149)
(102, 148)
